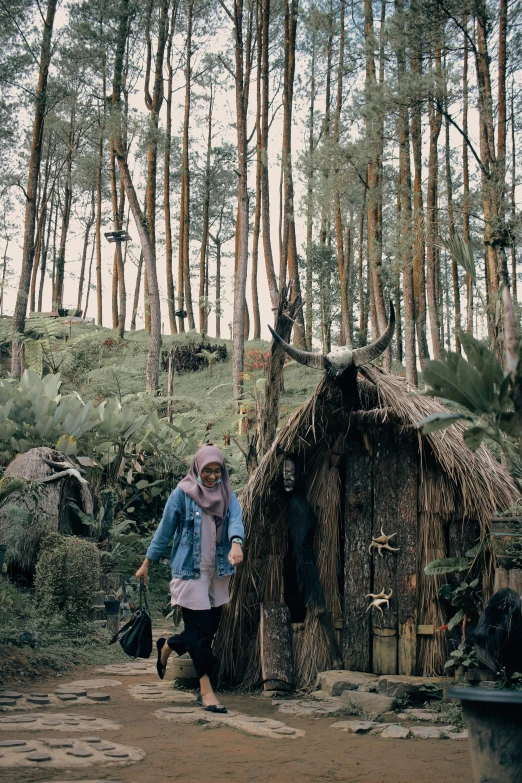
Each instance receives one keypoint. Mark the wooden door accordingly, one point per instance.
(381, 494)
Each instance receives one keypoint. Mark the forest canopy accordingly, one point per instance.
(172, 164)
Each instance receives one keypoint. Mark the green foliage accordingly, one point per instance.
(462, 656)
(447, 565)
(67, 576)
(15, 603)
(21, 529)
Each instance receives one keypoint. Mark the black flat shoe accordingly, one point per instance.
(211, 707)
(161, 669)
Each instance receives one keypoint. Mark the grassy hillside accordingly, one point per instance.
(96, 366)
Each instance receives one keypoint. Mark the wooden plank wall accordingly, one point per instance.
(357, 561)
(381, 492)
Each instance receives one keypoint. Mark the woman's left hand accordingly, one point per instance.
(235, 556)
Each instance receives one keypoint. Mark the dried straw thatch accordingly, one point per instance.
(454, 483)
(29, 514)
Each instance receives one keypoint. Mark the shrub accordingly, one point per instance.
(67, 576)
(189, 357)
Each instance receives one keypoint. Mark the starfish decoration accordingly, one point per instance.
(379, 600)
(383, 542)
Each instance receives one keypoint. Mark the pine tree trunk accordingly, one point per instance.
(363, 307)
(256, 315)
(513, 199)
(290, 263)
(405, 222)
(136, 301)
(40, 229)
(419, 271)
(45, 252)
(184, 286)
(204, 235)
(88, 225)
(166, 178)
(346, 327)
(4, 271)
(432, 271)
(451, 226)
(66, 218)
(265, 191)
(152, 368)
(20, 309)
(89, 278)
(310, 205)
(218, 288)
(465, 176)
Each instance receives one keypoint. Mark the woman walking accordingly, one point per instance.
(203, 518)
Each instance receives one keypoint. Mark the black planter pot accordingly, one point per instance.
(3, 547)
(112, 607)
(494, 719)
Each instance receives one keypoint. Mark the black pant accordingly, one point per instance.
(200, 628)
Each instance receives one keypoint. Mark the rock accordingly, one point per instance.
(284, 730)
(7, 702)
(400, 685)
(391, 717)
(70, 691)
(12, 743)
(429, 732)
(20, 719)
(40, 755)
(394, 731)
(372, 703)
(52, 722)
(99, 696)
(335, 682)
(80, 753)
(117, 754)
(67, 697)
(458, 735)
(38, 700)
(105, 746)
(420, 714)
(52, 743)
(355, 726)
(275, 694)
(91, 739)
(10, 695)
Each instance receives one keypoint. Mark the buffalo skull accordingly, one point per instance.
(341, 358)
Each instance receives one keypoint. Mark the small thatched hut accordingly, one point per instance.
(365, 470)
(28, 514)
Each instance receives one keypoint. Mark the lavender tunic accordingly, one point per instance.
(209, 590)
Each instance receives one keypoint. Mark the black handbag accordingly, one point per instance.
(136, 635)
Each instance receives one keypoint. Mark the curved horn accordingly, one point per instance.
(315, 360)
(370, 352)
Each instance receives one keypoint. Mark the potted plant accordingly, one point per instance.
(113, 603)
(494, 720)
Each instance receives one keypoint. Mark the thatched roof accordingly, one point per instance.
(455, 483)
(47, 506)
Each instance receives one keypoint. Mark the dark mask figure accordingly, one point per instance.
(497, 639)
(302, 526)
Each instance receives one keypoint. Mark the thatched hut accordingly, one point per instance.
(366, 470)
(50, 505)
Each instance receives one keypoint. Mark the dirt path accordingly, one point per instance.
(197, 753)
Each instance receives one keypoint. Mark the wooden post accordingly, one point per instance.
(357, 560)
(501, 579)
(277, 664)
(515, 580)
(170, 384)
(113, 623)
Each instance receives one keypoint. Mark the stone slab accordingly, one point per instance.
(94, 685)
(61, 696)
(312, 707)
(371, 703)
(394, 731)
(128, 669)
(355, 726)
(42, 721)
(430, 732)
(335, 682)
(262, 727)
(162, 692)
(75, 754)
(398, 686)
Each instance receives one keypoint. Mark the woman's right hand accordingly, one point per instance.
(143, 571)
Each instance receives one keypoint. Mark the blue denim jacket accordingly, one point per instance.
(182, 522)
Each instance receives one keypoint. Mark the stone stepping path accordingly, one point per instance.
(261, 727)
(163, 692)
(73, 693)
(43, 721)
(66, 753)
(79, 781)
(398, 731)
(128, 669)
(311, 707)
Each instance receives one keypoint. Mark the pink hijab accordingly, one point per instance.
(213, 500)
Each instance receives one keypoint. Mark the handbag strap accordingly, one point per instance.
(143, 596)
